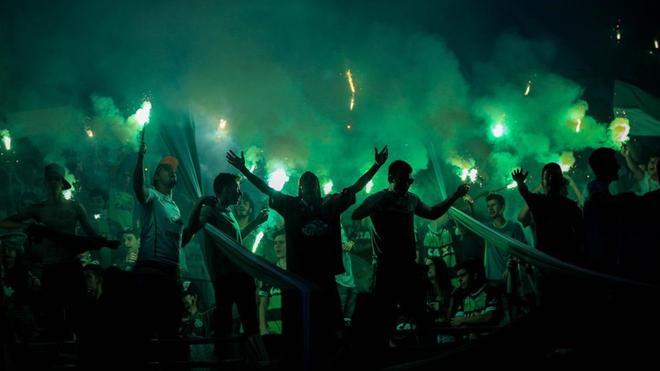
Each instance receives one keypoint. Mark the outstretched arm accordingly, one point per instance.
(196, 222)
(138, 175)
(239, 164)
(380, 159)
(252, 225)
(436, 211)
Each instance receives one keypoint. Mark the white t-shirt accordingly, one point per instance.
(161, 229)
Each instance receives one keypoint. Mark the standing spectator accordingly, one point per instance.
(646, 176)
(270, 297)
(495, 259)
(392, 212)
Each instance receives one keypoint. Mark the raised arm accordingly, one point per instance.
(196, 221)
(379, 159)
(519, 177)
(239, 164)
(632, 165)
(252, 225)
(434, 212)
(138, 175)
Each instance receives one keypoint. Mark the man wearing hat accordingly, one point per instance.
(156, 271)
(63, 280)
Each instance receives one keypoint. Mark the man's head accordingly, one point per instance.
(227, 189)
(604, 164)
(279, 244)
(495, 204)
(552, 178)
(93, 280)
(54, 178)
(165, 173)
(399, 175)
(98, 199)
(244, 207)
(309, 188)
(652, 165)
(470, 274)
(130, 239)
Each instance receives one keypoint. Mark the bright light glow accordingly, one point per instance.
(656, 44)
(578, 126)
(566, 161)
(257, 241)
(89, 132)
(469, 174)
(68, 194)
(349, 126)
(253, 167)
(351, 86)
(97, 216)
(222, 124)
(498, 130)
(6, 139)
(619, 130)
(370, 186)
(327, 187)
(512, 185)
(143, 113)
(528, 88)
(277, 179)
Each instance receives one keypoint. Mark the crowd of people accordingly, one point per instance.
(125, 282)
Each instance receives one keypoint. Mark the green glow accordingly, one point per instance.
(327, 187)
(143, 113)
(512, 185)
(370, 186)
(470, 174)
(6, 139)
(498, 130)
(257, 241)
(277, 179)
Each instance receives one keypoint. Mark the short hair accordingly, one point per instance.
(278, 232)
(497, 197)
(223, 180)
(399, 166)
(598, 160)
(129, 230)
(472, 266)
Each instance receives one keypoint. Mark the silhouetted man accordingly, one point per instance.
(313, 237)
(392, 212)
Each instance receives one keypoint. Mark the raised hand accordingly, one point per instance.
(462, 190)
(519, 175)
(381, 157)
(262, 216)
(235, 161)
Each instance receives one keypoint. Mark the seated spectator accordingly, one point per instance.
(439, 289)
(474, 303)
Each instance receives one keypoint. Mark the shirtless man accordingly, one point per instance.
(63, 280)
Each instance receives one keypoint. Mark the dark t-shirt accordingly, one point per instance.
(223, 219)
(393, 233)
(559, 226)
(313, 234)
